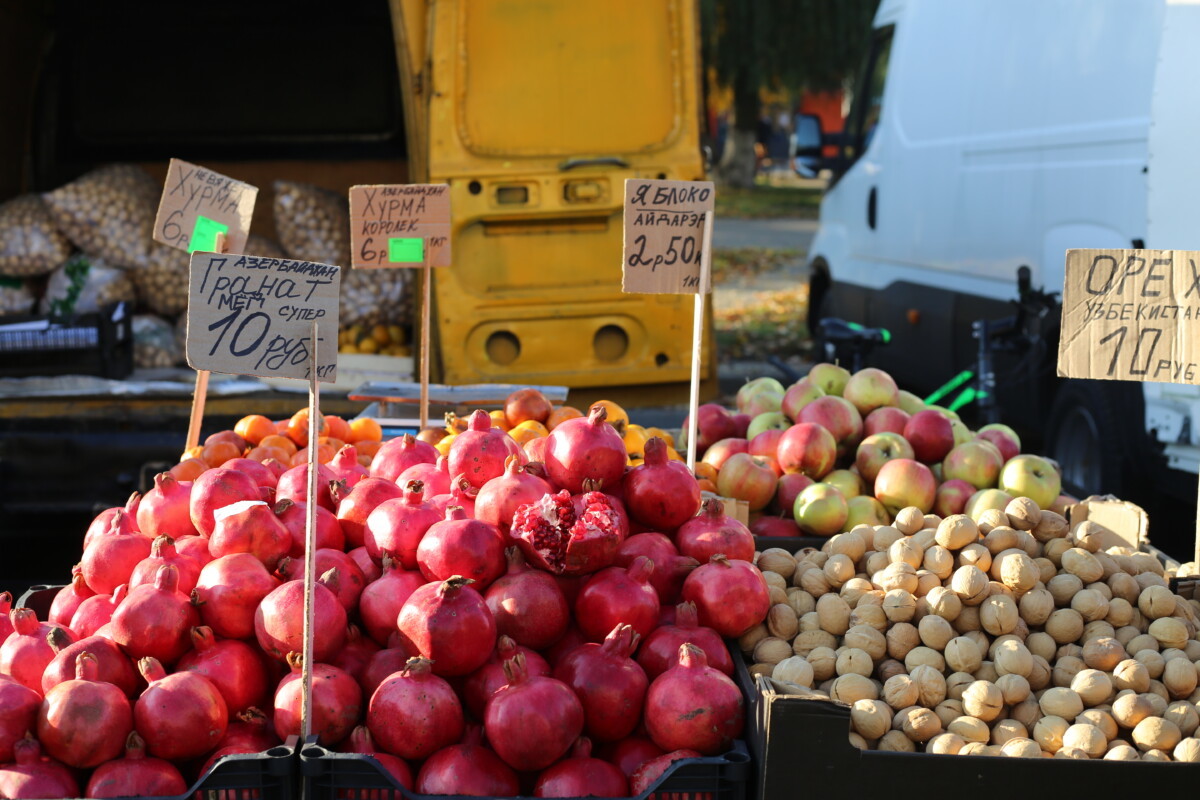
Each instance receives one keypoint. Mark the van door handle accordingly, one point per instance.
(871, 202)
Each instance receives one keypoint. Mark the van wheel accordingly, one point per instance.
(1094, 433)
(818, 305)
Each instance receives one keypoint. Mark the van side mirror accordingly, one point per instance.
(805, 144)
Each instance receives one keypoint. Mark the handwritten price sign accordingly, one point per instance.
(664, 231)
(249, 315)
(400, 225)
(197, 204)
(1131, 315)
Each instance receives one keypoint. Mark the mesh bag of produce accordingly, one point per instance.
(314, 225)
(83, 286)
(108, 214)
(15, 297)
(162, 286)
(262, 246)
(154, 344)
(30, 244)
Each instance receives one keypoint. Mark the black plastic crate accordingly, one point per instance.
(99, 343)
(789, 543)
(338, 776)
(39, 598)
(270, 775)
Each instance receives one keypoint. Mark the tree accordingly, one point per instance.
(777, 44)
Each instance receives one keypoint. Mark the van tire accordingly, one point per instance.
(1094, 433)
(818, 305)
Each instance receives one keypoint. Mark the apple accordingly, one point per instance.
(766, 443)
(909, 402)
(808, 448)
(719, 452)
(1004, 437)
(830, 377)
(865, 510)
(878, 449)
(788, 488)
(749, 478)
(887, 418)
(820, 510)
(931, 435)
(871, 388)
(952, 497)
(838, 416)
(984, 499)
(961, 432)
(1062, 504)
(976, 462)
(713, 423)
(904, 482)
(748, 393)
(847, 482)
(774, 527)
(798, 395)
(1033, 477)
(771, 420)
(741, 423)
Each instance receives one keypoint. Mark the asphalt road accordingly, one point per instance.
(775, 234)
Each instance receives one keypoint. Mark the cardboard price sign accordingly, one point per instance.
(1131, 315)
(664, 236)
(254, 316)
(197, 204)
(402, 225)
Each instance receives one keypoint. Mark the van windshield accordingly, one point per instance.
(867, 108)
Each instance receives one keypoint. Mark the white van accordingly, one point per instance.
(986, 135)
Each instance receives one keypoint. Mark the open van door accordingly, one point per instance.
(535, 115)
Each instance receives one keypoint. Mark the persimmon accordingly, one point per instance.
(561, 414)
(364, 429)
(219, 452)
(281, 443)
(337, 428)
(254, 428)
(616, 416)
(188, 470)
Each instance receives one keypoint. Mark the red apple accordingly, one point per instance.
(771, 420)
(741, 424)
(798, 395)
(871, 388)
(830, 377)
(1004, 437)
(977, 462)
(748, 478)
(713, 423)
(719, 452)
(878, 449)
(887, 418)
(788, 488)
(765, 443)
(930, 434)
(952, 497)
(904, 482)
(774, 527)
(808, 448)
(750, 390)
(837, 416)
(820, 510)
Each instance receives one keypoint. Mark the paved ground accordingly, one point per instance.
(776, 234)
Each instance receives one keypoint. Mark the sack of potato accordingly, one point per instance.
(84, 286)
(162, 286)
(15, 297)
(30, 244)
(154, 344)
(108, 214)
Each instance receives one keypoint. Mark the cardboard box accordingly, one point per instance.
(353, 370)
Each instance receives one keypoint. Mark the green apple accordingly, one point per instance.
(820, 510)
(830, 377)
(1031, 476)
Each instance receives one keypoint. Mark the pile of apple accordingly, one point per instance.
(835, 450)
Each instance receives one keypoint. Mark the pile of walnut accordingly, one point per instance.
(1015, 636)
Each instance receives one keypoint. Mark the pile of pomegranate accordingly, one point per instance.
(485, 625)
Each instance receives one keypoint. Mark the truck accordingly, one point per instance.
(984, 139)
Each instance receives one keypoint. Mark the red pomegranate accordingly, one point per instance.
(480, 451)
(660, 651)
(414, 713)
(336, 702)
(397, 455)
(112, 665)
(279, 620)
(195, 548)
(249, 527)
(162, 551)
(66, 600)
(532, 721)
(527, 604)
(102, 523)
(345, 467)
(670, 568)
(581, 775)
(461, 546)
(20, 706)
(382, 599)
(217, 488)
(382, 664)
(5, 623)
(694, 706)
(609, 683)
(461, 493)
(488, 679)
(648, 774)
(500, 497)
(468, 769)
(83, 722)
(228, 592)
(361, 742)
(434, 477)
(350, 579)
(109, 560)
(630, 753)
(356, 653)
(32, 775)
(263, 475)
(585, 447)
(355, 505)
(96, 611)
(370, 570)
(571, 639)
(449, 624)
(180, 716)
(31, 647)
(659, 493)
(712, 532)
(616, 595)
(731, 596)
(293, 485)
(554, 537)
(136, 775)
(294, 516)
(397, 526)
(234, 667)
(250, 730)
(155, 621)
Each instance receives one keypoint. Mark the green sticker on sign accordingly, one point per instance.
(406, 251)
(204, 234)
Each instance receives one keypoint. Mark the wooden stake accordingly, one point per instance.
(425, 321)
(310, 540)
(200, 393)
(698, 338)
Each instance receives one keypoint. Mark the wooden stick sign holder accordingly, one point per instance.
(200, 393)
(310, 543)
(667, 250)
(426, 313)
